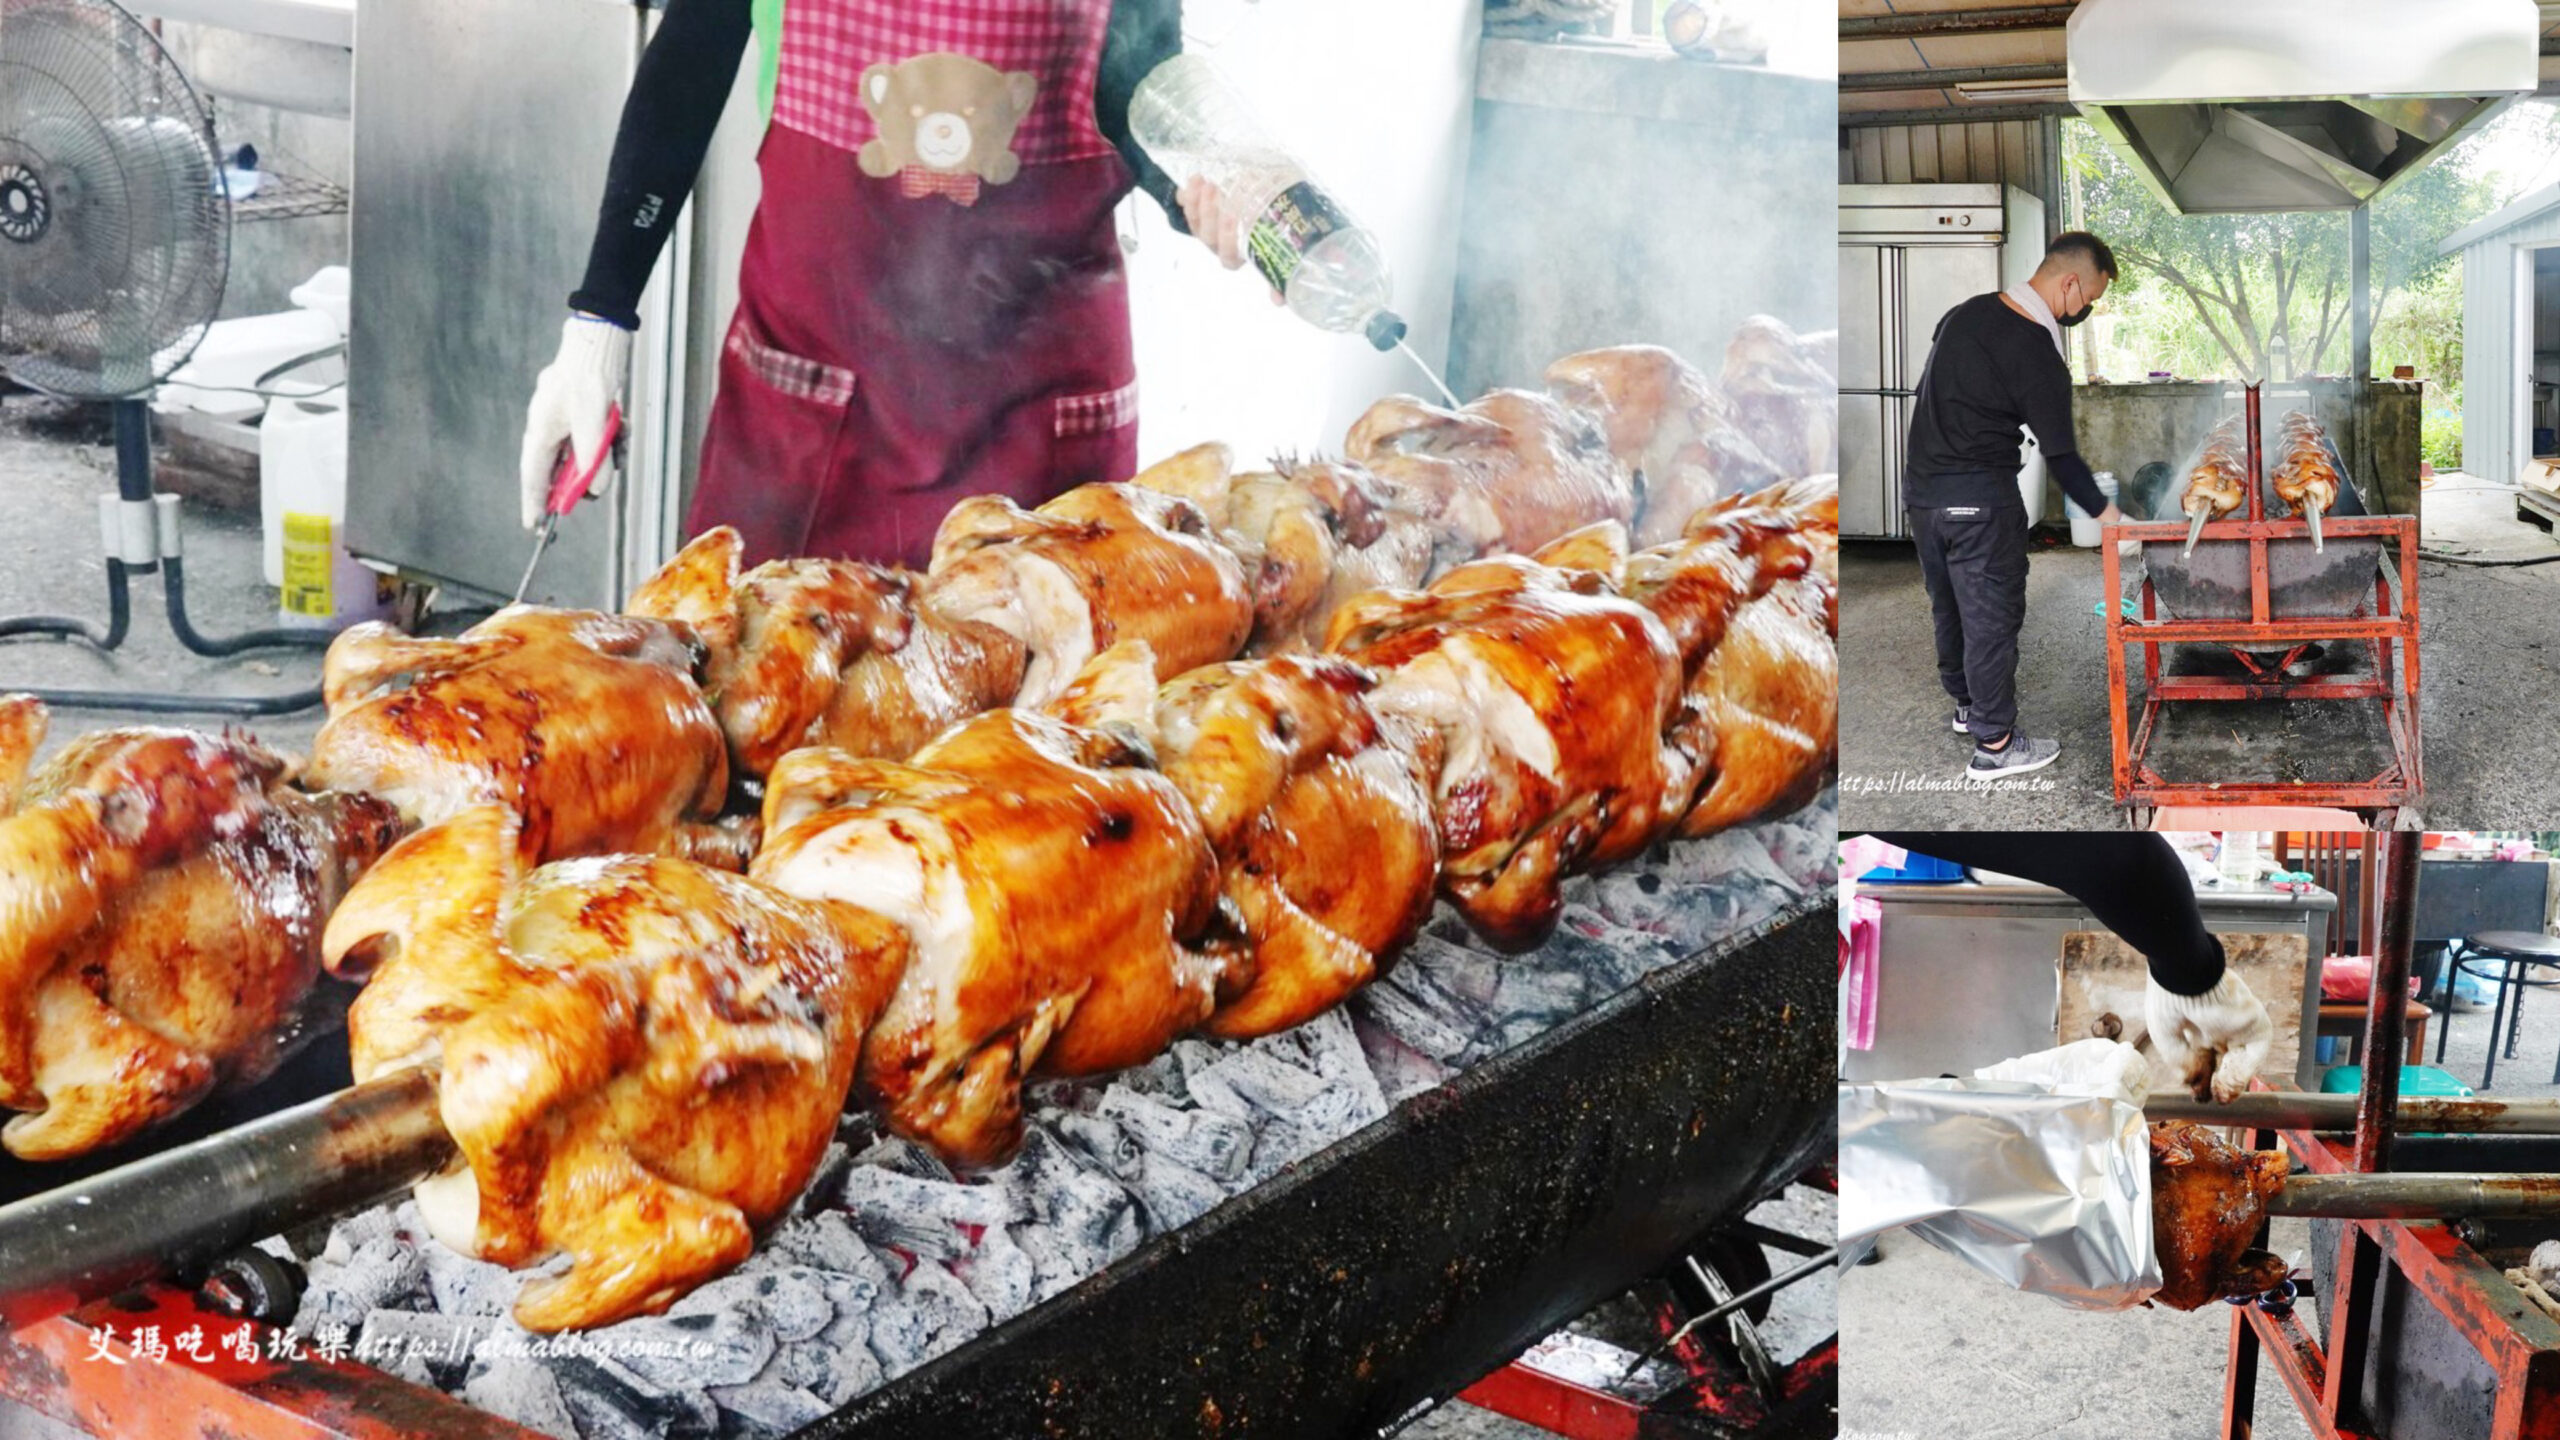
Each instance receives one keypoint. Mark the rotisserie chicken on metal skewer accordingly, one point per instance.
(826, 652)
(1098, 565)
(161, 897)
(2208, 1199)
(1061, 900)
(1669, 426)
(1785, 393)
(2219, 483)
(641, 1058)
(2305, 477)
(589, 726)
(1509, 472)
(1320, 816)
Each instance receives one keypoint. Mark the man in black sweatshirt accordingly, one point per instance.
(1996, 364)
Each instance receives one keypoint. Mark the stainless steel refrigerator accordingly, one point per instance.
(1908, 255)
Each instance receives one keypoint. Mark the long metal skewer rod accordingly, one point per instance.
(2414, 1195)
(187, 1207)
(2296, 1110)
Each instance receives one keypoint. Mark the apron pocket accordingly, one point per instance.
(779, 437)
(1094, 437)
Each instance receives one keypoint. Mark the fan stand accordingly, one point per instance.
(141, 535)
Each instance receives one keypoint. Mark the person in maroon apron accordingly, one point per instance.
(931, 303)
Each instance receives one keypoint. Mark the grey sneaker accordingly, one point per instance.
(1964, 719)
(2022, 755)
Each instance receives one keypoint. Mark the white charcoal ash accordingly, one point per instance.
(764, 1408)
(1173, 1194)
(523, 1390)
(1001, 1274)
(1206, 1141)
(930, 1312)
(1101, 1140)
(612, 1402)
(422, 1347)
(1400, 1069)
(787, 1301)
(922, 1217)
(1081, 1218)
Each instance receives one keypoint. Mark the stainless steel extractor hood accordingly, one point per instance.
(2227, 106)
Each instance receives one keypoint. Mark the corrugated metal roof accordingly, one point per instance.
(2522, 210)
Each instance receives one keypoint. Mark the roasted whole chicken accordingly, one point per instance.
(1510, 471)
(161, 896)
(1785, 394)
(589, 726)
(2208, 1199)
(1550, 701)
(641, 1059)
(1320, 818)
(826, 652)
(1668, 426)
(2305, 477)
(1310, 535)
(1060, 898)
(2219, 482)
(1097, 565)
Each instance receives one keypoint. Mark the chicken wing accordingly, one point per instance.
(1059, 899)
(589, 726)
(826, 652)
(1510, 471)
(1320, 819)
(2208, 1198)
(1551, 707)
(161, 894)
(641, 1059)
(1095, 566)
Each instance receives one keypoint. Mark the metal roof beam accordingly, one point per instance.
(1955, 22)
(1945, 76)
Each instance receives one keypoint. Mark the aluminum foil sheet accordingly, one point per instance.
(2043, 1190)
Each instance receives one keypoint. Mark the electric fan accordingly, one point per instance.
(114, 238)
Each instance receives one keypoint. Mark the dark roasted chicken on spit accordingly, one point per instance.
(2208, 1200)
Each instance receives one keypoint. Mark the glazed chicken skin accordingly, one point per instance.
(2208, 1199)
(1785, 394)
(1669, 426)
(1097, 565)
(1309, 534)
(1320, 819)
(641, 1059)
(2219, 483)
(826, 652)
(589, 726)
(161, 895)
(1510, 471)
(2305, 478)
(1550, 700)
(1059, 900)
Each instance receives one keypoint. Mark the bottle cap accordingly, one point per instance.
(1386, 329)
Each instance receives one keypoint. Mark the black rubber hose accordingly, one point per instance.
(160, 703)
(64, 627)
(2509, 563)
(173, 584)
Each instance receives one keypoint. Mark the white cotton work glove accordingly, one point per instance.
(570, 401)
(2221, 1036)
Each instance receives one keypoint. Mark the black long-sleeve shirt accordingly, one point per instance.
(683, 83)
(2133, 882)
(1990, 371)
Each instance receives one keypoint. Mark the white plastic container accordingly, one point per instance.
(326, 291)
(302, 508)
(2085, 531)
(219, 378)
(2030, 475)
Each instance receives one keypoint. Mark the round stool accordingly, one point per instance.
(2501, 957)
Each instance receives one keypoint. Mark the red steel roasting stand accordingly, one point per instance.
(2394, 681)
(2434, 1268)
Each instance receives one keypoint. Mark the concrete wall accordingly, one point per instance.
(2375, 427)
(270, 257)
(1621, 195)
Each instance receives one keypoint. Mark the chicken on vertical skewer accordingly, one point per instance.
(589, 726)
(161, 896)
(1510, 471)
(2219, 482)
(1669, 426)
(1319, 814)
(641, 1059)
(826, 652)
(1061, 900)
(2305, 477)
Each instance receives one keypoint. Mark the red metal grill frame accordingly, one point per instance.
(2520, 1345)
(2391, 628)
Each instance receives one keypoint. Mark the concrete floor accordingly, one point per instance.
(2492, 655)
(1937, 1349)
(1900, 764)
(59, 460)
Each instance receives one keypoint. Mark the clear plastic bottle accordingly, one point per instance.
(2239, 863)
(1328, 267)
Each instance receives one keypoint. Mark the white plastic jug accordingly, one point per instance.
(2085, 530)
(302, 505)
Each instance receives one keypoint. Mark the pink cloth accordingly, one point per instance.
(1861, 951)
(2345, 978)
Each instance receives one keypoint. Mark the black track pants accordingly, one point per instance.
(1973, 558)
